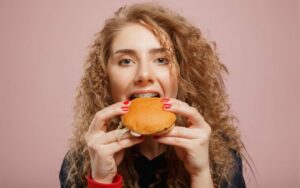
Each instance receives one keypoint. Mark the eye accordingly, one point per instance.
(125, 61)
(162, 61)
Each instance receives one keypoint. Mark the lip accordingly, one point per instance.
(143, 91)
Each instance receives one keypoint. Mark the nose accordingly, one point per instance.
(144, 75)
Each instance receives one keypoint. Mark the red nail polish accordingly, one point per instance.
(126, 102)
(155, 137)
(125, 108)
(167, 106)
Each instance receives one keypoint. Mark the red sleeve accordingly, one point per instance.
(117, 183)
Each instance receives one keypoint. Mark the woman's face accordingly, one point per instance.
(138, 64)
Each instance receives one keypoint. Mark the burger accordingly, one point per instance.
(146, 116)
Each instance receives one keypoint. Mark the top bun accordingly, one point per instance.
(146, 116)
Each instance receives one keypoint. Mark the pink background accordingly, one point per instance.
(43, 45)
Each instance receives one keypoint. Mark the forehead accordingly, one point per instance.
(135, 36)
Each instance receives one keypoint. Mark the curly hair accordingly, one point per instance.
(201, 85)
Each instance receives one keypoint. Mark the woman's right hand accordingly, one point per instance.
(105, 149)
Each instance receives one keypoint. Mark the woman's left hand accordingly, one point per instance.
(191, 143)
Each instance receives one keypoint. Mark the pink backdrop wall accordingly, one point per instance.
(44, 43)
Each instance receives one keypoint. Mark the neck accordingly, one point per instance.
(150, 148)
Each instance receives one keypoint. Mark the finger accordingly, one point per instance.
(175, 141)
(116, 135)
(125, 143)
(183, 132)
(111, 136)
(182, 108)
(102, 116)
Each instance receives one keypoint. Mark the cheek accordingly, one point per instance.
(174, 81)
(118, 85)
(169, 82)
(174, 86)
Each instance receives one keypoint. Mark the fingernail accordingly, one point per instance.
(155, 137)
(126, 102)
(141, 137)
(124, 108)
(167, 106)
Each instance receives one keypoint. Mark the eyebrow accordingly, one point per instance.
(133, 52)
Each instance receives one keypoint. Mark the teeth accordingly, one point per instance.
(144, 95)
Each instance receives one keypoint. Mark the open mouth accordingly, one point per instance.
(144, 95)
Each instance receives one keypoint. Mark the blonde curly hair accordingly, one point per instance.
(200, 85)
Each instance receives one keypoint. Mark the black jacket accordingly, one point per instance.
(147, 169)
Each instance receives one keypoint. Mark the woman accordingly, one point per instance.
(146, 48)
